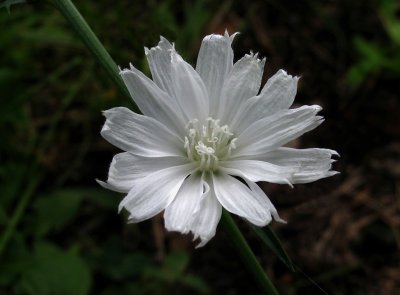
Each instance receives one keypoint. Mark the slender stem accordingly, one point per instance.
(247, 254)
(22, 205)
(78, 23)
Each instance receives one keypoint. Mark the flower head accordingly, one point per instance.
(206, 136)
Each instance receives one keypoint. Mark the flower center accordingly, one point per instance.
(208, 143)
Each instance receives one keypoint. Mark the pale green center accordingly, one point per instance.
(208, 143)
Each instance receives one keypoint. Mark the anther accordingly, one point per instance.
(208, 143)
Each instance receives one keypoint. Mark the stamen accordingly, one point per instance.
(232, 146)
(208, 143)
(188, 149)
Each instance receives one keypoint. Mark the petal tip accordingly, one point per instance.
(121, 206)
(203, 241)
(280, 220)
(335, 153)
(100, 182)
(316, 108)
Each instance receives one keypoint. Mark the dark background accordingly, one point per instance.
(60, 232)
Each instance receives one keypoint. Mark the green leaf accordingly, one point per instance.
(195, 283)
(388, 15)
(103, 198)
(56, 209)
(14, 260)
(372, 59)
(114, 262)
(44, 35)
(176, 263)
(172, 269)
(54, 271)
(271, 240)
(369, 51)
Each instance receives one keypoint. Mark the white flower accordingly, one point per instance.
(206, 136)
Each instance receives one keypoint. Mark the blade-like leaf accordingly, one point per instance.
(271, 240)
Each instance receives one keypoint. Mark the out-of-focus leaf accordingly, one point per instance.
(131, 265)
(376, 57)
(54, 271)
(172, 268)
(271, 240)
(369, 51)
(114, 262)
(56, 209)
(176, 262)
(388, 14)
(102, 198)
(50, 36)
(14, 260)
(372, 59)
(11, 179)
(195, 283)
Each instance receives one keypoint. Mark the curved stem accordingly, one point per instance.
(78, 23)
(247, 254)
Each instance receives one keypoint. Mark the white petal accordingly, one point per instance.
(190, 91)
(179, 215)
(214, 63)
(125, 168)
(140, 135)
(195, 209)
(153, 101)
(274, 131)
(205, 223)
(183, 84)
(257, 190)
(310, 164)
(259, 171)
(277, 94)
(239, 199)
(159, 58)
(242, 83)
(153, 193)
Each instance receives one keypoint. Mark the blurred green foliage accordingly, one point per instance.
(379, 57)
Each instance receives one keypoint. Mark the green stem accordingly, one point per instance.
(22, 205)
(247, 254)
(78, 23)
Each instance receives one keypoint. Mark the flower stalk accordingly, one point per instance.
(81, 27)
(247, 254)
